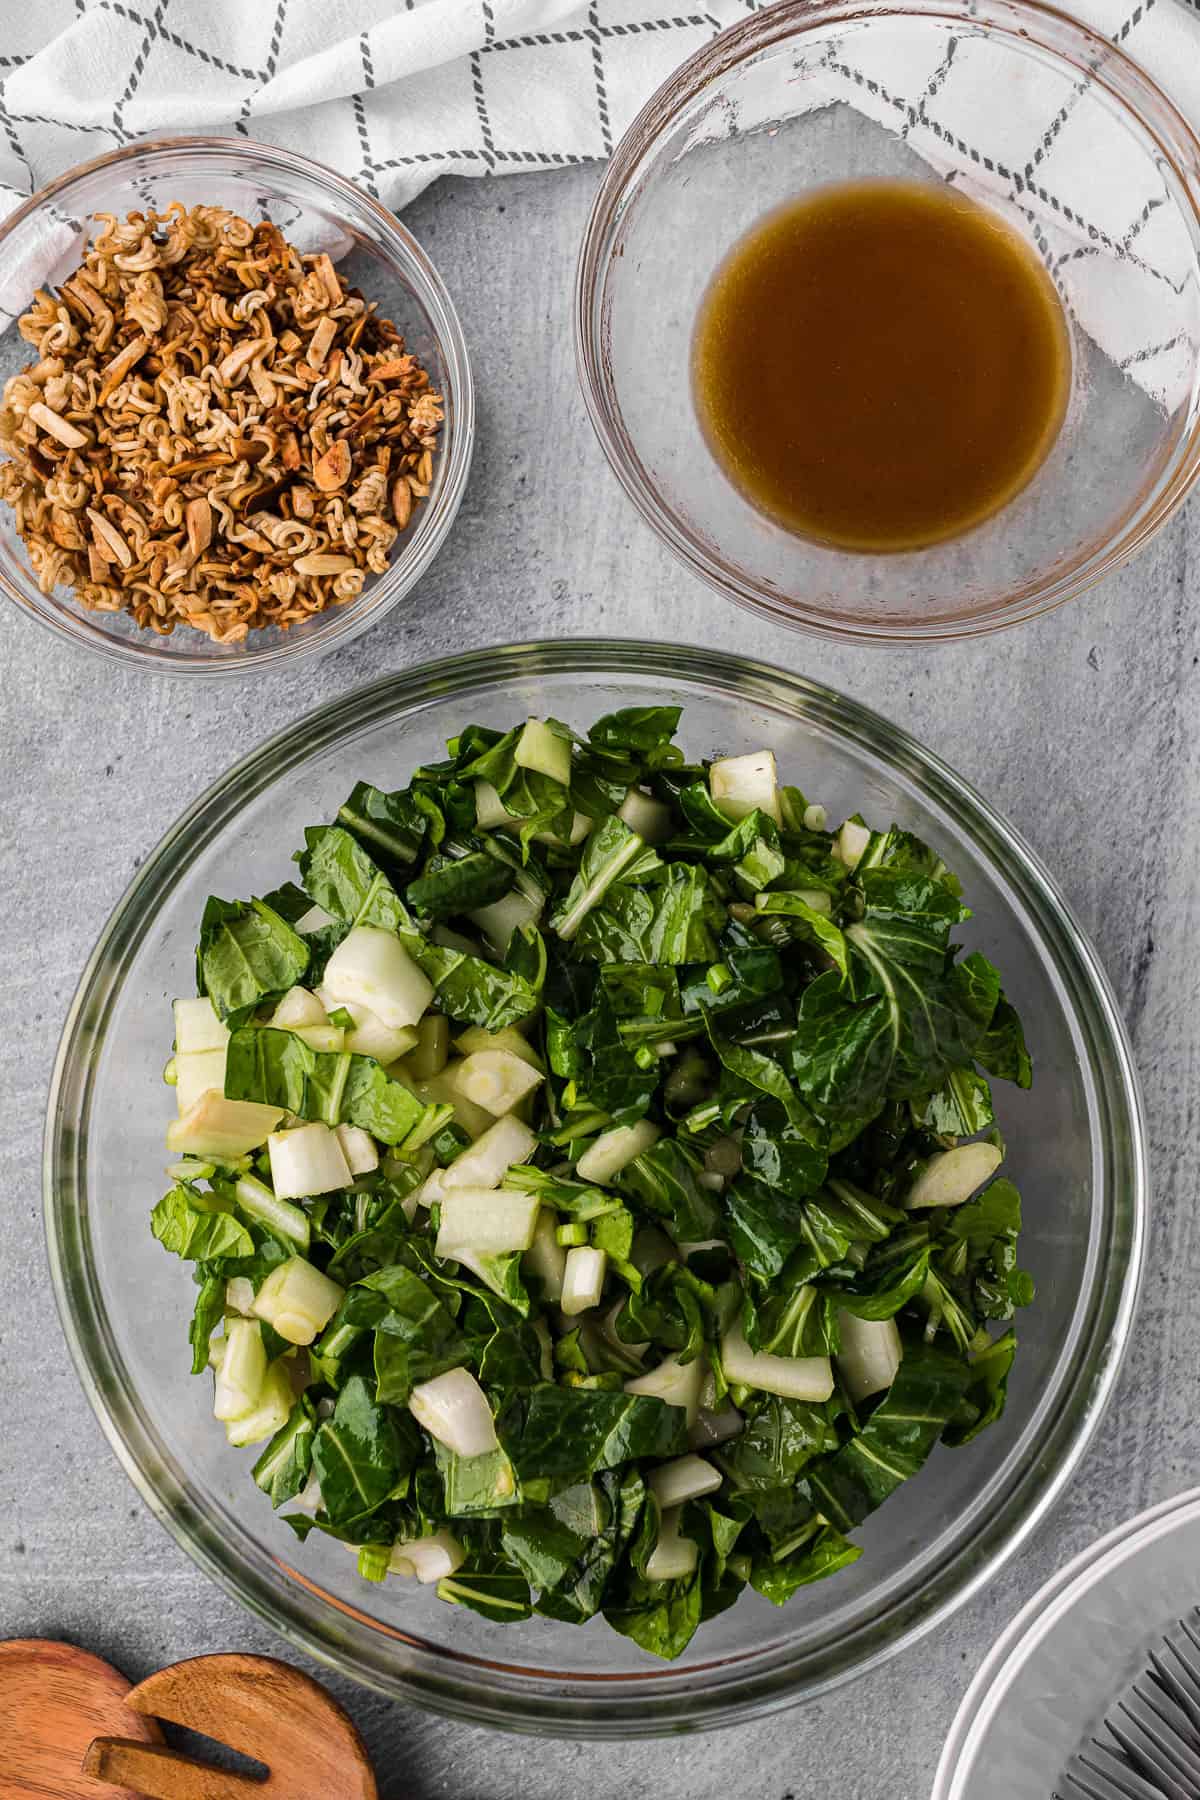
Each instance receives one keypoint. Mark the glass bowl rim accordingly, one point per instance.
(1008, 1655)
(1037, 26)
(545, 1702)
(407, 256)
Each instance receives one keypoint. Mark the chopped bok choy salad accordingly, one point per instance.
(591, 1178)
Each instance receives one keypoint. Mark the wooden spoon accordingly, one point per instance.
(54, 1699)
(261, 1707)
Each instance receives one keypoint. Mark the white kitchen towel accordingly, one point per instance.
(397, 92)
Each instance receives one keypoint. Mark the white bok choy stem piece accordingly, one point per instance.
(330, 1039)
(297, 1300)
(677, 1383)
(270, 1412)
(310, 1498)
(198, 1028)
(453, 1409)
(431, 1052)
(686, 1478)
(645, 815)
(358, 1148)
(673, 1556)
(368, 1035)
(496, 1080)
(952, 1176)
(474, 1037)
(581, 827)
(613, 1149)
(224, 1129)
(242, 1370)
(306, 1160)
(744, 784)
(500, 918)
(485, 1221)
(291, 1223)
(583, 1279)
(429, 1193)
(490, 809)
(298, 1007)
(871, 1354)
(793, 1377)
(239, 1295)
(313, 920)
(850, 844)
(197, 1073)
(715, 1427)
(427, 1559)
(491, 1156)
(371, 968)
(546, 1257)
(443, 1089)
(544, 750)
(608, 1331)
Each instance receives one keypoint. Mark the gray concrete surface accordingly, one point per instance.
(1084, 728)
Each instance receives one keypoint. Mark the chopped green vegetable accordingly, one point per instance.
(661, 1236)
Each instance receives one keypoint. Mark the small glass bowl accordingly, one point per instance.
(1076, 1147)
(315, 208)
(1030, 114)
(1055, 1673)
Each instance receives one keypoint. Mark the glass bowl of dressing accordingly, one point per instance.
(888, 318)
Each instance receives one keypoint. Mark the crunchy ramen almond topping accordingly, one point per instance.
(218, 432)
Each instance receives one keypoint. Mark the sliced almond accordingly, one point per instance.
(97, 564)
(290, 450)
(198, 518)
(109, 538)
(392, 369)
(58, 428)
(262, 384)
(365, 418)
(303, 502)
(78, 288)
(402, 502)
(251, 450)
(320, 341)
(333, 287)
(115, 372)
(195, 465)
(320, 562)
(239, 360)
(332, 470)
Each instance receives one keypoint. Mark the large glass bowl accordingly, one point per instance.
(1076, 1147)
(1046, 1687)
(316, 209)
(1047, 124)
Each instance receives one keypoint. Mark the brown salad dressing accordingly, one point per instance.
(880, 365)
